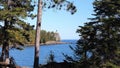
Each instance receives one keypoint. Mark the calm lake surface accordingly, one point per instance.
(26, 57)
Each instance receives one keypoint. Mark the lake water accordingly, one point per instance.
(26, 57)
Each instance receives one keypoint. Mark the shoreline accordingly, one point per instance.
(46, 44)
(49, 43)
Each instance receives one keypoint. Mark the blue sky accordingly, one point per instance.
(65, 23)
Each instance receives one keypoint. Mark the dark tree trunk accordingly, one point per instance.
(37, 37)
(5, 47)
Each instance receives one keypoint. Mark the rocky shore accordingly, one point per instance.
(53, 42)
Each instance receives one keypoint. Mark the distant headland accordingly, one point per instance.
(49, 38)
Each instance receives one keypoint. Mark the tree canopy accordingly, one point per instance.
(11, 15)
(99, 43)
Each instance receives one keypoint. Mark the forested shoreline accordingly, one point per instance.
(45, 36)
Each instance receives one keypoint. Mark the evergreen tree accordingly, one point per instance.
(12, 13)
(99, 43)
(107, 23)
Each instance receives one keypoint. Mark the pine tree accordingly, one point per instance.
(108, 28)
(99, 43)
(12, 13)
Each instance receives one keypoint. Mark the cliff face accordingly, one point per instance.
(57, 37)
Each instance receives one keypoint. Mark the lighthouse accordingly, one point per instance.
(57, 36)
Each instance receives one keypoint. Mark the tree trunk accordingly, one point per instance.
(37, 36)
(5, 47)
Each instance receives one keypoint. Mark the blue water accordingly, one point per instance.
(26, 57)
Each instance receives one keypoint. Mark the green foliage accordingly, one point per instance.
(45, 36)
(110, 65)
(99, 43)
(22, 37)
(14, 30)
